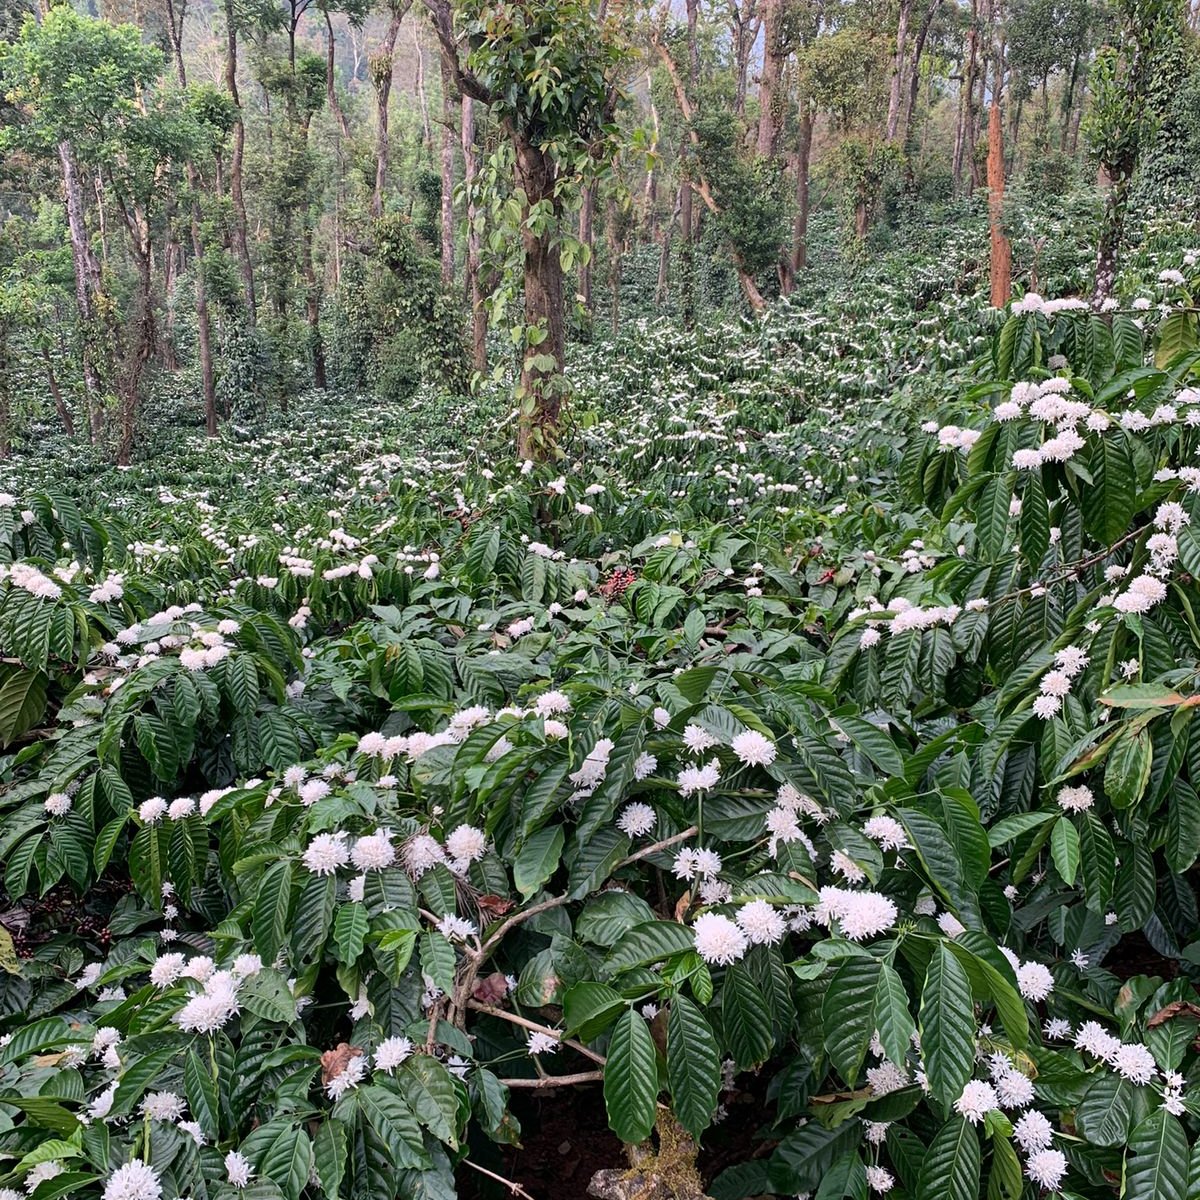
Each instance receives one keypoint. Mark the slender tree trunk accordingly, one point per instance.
(1069, 101)
(143, 342)
(331, 96)
(312, 308)
(664, 255)
(381, 65)
(1001, 247)
(612, 233)
(745, 279)
(914, 69)
(474, 246)
(587, 211)
(687, 223)
(448, 139)
(172, 264)
(60, 404)
(423, 100)
(87, 289)
(203, 323)
(966, 100)
(896, 88)
(240, 223)
(800, 221)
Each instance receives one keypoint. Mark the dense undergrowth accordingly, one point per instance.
(824, 714)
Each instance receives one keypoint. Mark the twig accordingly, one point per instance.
(505, 1015)
(555, 1081)
(515, 1188)
(690, 831)
(523, 915)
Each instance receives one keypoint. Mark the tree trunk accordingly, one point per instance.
(612, 235)
(240, 223)
(896, 89)
(203, 324)
(770, 92)
(664, 255)
(331, 97)
(1001, 251)
(587, 211)
(687, 223)
(448, 126)
(143, 344)
(423, 100)
(745, 34)
(914, 69)
(966, 100)
(380, 66)
(800, 221)
(60, 405)
(474, 246)
(1112, 229)
(87, 289)
(1068, 102)
(312, 310)
(542, 363)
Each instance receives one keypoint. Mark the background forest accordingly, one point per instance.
(267, 198)
(600, 599)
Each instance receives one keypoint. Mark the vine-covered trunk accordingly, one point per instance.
(896, 85)
(545, 318)
(771, 101)
(381, 74)
(1112, 229)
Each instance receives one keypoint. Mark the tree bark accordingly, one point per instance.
(914, 69)
(474, 245)
(1001, 247)
(770, 91)
(380, 66)
(203, 323)
(800, 221)
(87, 290)
(448, 138)
(745, 34)
(60, 404)
(331, 97)
(966, 100)
(587, 211)
(240, 223)
(896, 88)
(612, 235)
(423, 100)
(541, 381)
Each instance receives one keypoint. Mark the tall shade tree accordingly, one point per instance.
(85, 92)
(1132, 81)
(548, 71)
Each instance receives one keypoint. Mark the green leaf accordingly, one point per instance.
(991, 516)
(350, 928)
(272, 910)
(631, 1079)
(1064, 849)
(892, 1016)
(848, 1014)
(745, 1019)
(437, 960)
(693, 1066)
(650, 942)
(947, 1027)
(330, 1151)
(1106, 1111)
(1108, 504)
(951, 1168)
(22, 703)
(430, 1091)
(538, 859)
(1127, 769)
(590, 1008)
(396, 1125)
(1158, 1168)
(203, 1096)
